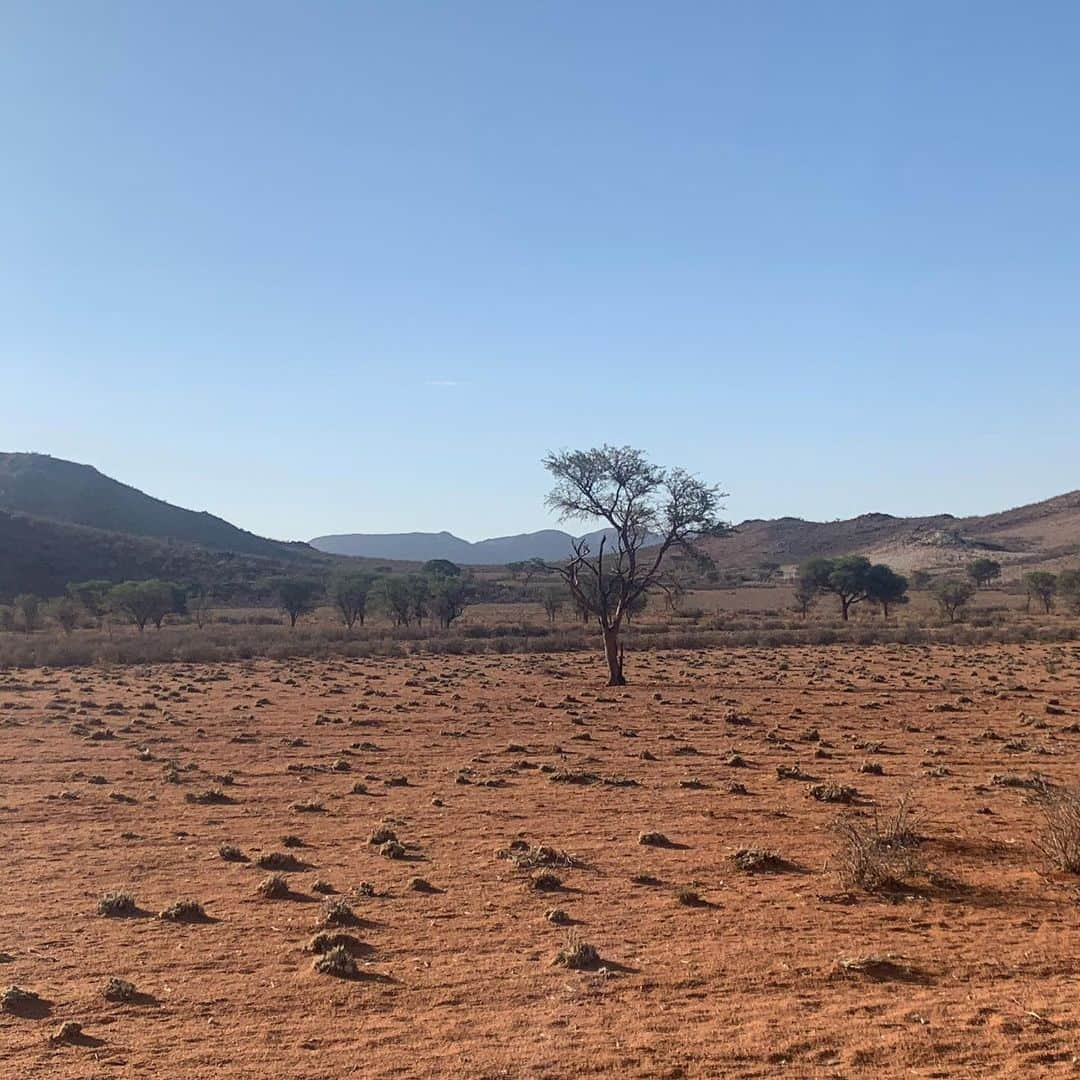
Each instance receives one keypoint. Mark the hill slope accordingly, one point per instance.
(550, 544)
(58, 490)
(42, 556)
(1043, 534)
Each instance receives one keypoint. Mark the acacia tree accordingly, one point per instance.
(198, 605)
(983, 571)
(806, 594)
(449, 598)
(1041, 584)
(142, 601)
(64, 612)
(552, 600)
(887, 587)
(1068, 584)
(296, 597)
(93, 595)
(396, 597)
(350, 594)
(852, 579)
(649, 511)
(953, 596)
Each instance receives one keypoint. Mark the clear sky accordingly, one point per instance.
(327, 267)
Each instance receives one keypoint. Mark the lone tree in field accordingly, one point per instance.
(142, 601)
(296, 597)
(1043, 585)
(647, 510)
(847, 578)
(1068, 586)
(953, 596)
(887, 587)
(350, 594)
(983, 571)
(448, 599)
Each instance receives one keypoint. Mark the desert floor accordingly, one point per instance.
(977, 956)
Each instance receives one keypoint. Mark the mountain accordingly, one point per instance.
(41, 557)
(61, 522)
(549, 544)
(56, 490)
(1045, 535)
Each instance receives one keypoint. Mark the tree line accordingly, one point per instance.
(439, 592)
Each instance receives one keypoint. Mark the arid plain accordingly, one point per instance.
(507, 787)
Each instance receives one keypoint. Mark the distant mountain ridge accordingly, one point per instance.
(61, 521)
(57, 490)
(549, 544)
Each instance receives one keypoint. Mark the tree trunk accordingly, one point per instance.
(613, 655)
(844, 604)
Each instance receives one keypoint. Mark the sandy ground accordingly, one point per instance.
(981, 944)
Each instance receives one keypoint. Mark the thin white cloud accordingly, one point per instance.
(443, 382)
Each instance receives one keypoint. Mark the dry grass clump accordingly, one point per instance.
(119, 990)
(309, 807)
(546, 881)
(525, 857)
(338, 913)
(15, 998)
(1034, 782)
(653, 839)
(557, 916)
(577, 955)
(326, 940)
(274, 887)
(117, 904)
(420, 885)
(320, 886)
(381, 835)
(570, 776)
(231, 853)
(875, 965)
(392, 850)
(185, 910)
(210, 797)
(278, 860)
(689, 897)
(758, 861)
(875, 854)
(337, 961)
(832, 793)
(1059, 839)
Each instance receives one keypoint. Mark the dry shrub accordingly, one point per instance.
(184, 911)
(758, 861)
(274, 887)
(338, 913)
(1059, 840)
(876, 854)
(833, 793)
(337, 961)
(577, 955)
(119, 990)
(525, 857)
(117, 904)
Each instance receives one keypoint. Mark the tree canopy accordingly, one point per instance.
(649, 511)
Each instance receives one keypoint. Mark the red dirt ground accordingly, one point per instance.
(982, 943)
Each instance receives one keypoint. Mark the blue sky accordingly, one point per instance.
(336, 267)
